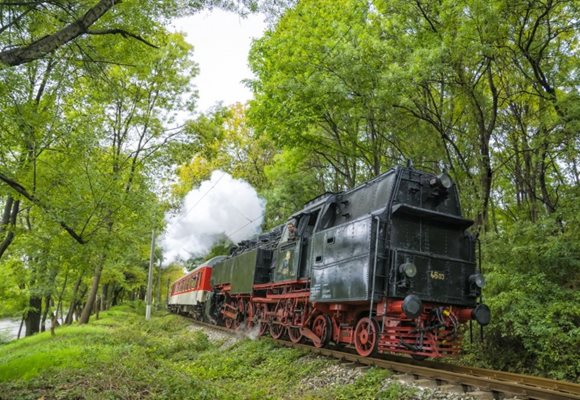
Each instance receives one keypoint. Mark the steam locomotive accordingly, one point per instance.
(385, 267)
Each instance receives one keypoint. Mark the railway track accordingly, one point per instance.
(500, 384)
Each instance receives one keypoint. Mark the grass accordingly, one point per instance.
(121, 356)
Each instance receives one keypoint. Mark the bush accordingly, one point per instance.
(532, 273)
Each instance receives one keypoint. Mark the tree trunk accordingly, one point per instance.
(47, 300)
(59, 301)
(8, 223)
(86, 313)
(32, 320)
(116, 294)
(6, 214)
(53, 323)
(158, 305)
(110, 294)
(486, 179)
(69, 315)
(97, 308)
(21, 325)
(49, 43)
(104, 296)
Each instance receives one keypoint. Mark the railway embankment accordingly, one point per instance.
(123, 356)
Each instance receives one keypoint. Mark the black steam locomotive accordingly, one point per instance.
(385, 267)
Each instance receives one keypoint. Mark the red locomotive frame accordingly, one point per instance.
(285, 311)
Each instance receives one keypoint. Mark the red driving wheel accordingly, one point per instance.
(261, 319)
(294, 334)
(277, 330)
(250, 314)
(322, 327)
(366, 336)
(241, 313)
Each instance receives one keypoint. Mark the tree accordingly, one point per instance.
(47, 44)
(135, 114)
(32, 30)
(223, 140)
(320, 82)
(366, 85)
(83, 159)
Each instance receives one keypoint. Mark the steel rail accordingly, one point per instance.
(508, 383)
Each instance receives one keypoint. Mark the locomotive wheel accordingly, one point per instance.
(294, 334)
(229, 323)
(250, 314)
(241, 314)
(322, 327)
(277, 330)
(260, 319)
(366, 336)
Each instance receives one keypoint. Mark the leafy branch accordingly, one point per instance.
(20, 189)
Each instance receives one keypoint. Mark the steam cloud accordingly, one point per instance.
(219, 208)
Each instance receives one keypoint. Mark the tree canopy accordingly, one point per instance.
(84, 134)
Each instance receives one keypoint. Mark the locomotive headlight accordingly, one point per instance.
(482, 314)
(477, 280)
(408, 269)
(442, 181)
(412, 306)
(445, 180)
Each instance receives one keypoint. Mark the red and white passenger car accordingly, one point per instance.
(189, 294)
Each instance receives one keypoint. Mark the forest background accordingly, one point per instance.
(93, 95)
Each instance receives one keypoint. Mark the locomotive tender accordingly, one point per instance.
(385, 267)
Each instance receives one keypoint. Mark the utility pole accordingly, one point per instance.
(158, 303)
(168, 288)
(150, 278)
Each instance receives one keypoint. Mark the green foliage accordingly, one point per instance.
(11, 289)
(223, 140)
(120, 355)
(399, 391)
(83, 136)
(321, 87)
(293, 180)
(365, 85)
(533, 277)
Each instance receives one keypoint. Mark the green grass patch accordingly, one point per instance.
(122, 356)
(74, 347)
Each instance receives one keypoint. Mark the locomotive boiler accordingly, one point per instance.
(385, 267)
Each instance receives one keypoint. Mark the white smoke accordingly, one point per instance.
(219, 208)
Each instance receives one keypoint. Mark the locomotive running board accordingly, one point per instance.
(310, 335)
(432, 215)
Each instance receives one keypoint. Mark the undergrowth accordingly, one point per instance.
(121, 356)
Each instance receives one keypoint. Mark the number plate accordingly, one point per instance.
(437, 275)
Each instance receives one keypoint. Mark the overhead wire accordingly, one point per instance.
(229, 235)
(204, 195)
